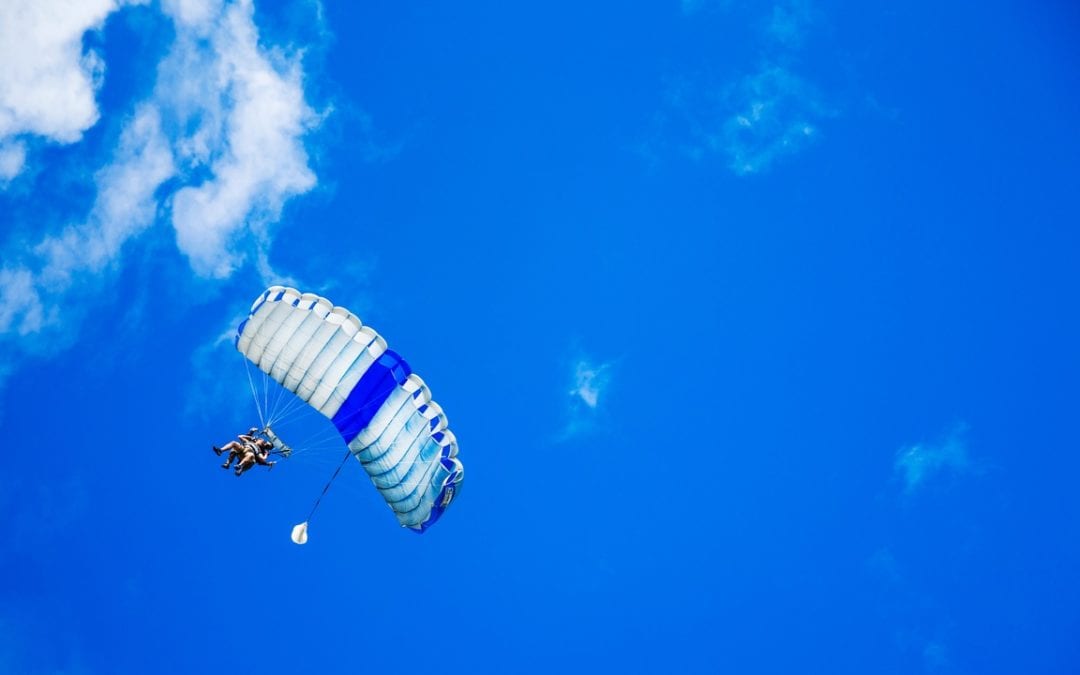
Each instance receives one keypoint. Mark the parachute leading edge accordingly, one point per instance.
(383, 411)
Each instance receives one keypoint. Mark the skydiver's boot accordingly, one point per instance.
(217, 451)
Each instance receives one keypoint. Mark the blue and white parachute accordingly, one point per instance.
(325, 356)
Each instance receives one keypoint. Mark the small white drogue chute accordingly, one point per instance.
(299, 533)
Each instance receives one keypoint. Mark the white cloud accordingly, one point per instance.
(208, 392)
(124, 207)
(30, 295)
(249, 133)
(192, 12)
(589, 386)
(762, 114)
(12, 159)
(21, 309)
(216, 150)
(918, 463)
(590, 381)
(48, 82)
(777, 114)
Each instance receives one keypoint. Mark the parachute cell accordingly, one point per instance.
(325, 356)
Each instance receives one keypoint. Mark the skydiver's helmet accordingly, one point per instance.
(253, 431)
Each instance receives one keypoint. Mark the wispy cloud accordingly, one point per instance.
(12, 158)
(124, 207)
(588, 390)
(590, 381)
(776, 114)
(30, 293)
(764, 113)
(916, 464)
(208, 392)
(214, 152)
(21, 309)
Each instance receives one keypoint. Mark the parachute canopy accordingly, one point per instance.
(325, 356)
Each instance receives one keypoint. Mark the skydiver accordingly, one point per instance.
(238, 447)
(257, 453)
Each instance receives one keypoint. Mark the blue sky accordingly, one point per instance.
(756, 324)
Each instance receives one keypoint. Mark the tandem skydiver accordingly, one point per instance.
(249, 448)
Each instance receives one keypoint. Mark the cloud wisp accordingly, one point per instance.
(763, 114)
(919, 463)
(590, 381)
(589, 387)
(777, 115)
(208, 391)
(215, 151)
(31, 293)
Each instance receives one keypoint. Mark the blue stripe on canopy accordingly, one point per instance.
(446, 495)
(365, 399)
(239, 332)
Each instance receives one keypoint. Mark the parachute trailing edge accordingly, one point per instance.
(325, 356)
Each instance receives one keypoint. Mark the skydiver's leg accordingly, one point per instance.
(246, 463)
(225, 448)
(234, 449)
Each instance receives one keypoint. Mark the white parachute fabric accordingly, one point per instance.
(325, 356)
(299, 534)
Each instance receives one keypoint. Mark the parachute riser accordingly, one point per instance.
(280, 448)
